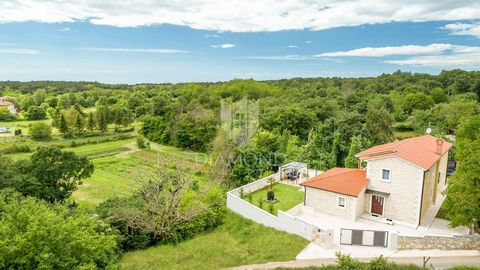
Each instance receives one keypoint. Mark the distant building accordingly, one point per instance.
(9, 105)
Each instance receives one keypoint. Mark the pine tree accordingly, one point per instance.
(64, 128)
(91, 123)
(80, 124)
(102, 118)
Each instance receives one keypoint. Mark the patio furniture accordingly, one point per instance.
(293, 171)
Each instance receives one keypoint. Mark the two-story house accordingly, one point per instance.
(402, 180)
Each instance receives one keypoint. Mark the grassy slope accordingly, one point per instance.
(118, 167)
(287, 196)
(237, 242)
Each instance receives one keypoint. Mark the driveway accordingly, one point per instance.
(324, 221)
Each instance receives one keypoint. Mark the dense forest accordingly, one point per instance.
(323, 122)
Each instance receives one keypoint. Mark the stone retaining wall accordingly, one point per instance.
(465, 242)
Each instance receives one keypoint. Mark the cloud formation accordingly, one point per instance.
(18, 51)
(433, 55)
(392, 50)
(463, 29)
(133, 50)
(239, 15)
(223, 46)
(66, 29)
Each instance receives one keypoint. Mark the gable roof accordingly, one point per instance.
(344, 181)
(420, 151)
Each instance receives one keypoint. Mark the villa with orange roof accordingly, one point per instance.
(396, 183)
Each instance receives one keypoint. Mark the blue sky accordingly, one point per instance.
(118, 45)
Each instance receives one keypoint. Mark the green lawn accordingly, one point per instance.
(237, 242)
(287, 197)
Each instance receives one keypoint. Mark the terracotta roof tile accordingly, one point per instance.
(420, 151)
(339, 180)
(5, 103)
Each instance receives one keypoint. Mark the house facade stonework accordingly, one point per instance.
(401, 183)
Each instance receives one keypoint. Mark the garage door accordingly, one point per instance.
(363, 237)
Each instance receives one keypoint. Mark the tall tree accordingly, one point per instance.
(54, 174)
(64, 128)
(80, 124)
(378, 124)
(462, 203)
(91, 123)
(102, 118)
(358, 144)
(39, 235)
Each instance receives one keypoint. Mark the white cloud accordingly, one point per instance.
(463, 29)
(433, 55)
(223, 46)
(66, 29)
(291, 57)
(393, 50)
(308, 41)
(292, 46)
(18, 51)
(239, 15)
(211, 36)
(7, 44)
(133, 50)
(457, 59)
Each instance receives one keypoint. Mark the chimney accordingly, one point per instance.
(438, 150)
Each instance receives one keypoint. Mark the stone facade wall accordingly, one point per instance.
(465, 242)
(404, 187)
(326, 202)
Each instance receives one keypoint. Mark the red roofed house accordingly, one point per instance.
(8, 105)
(401, 182)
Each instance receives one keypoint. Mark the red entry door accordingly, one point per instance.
(377, 205)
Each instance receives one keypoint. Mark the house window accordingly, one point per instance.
(386, 175)
(341, 202)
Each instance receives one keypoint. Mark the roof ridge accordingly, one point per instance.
(341, 173)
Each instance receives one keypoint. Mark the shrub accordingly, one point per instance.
(141, 143)
(128, 216)
(270, 208)
(16, 148)
(60, 238)
(40, 131)
(36, 113)
(260, 203)
(345, 262)
(379, 263)
(5, 115)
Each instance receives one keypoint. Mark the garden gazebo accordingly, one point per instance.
(293, 171)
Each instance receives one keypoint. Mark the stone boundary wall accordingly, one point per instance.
(442, 242)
